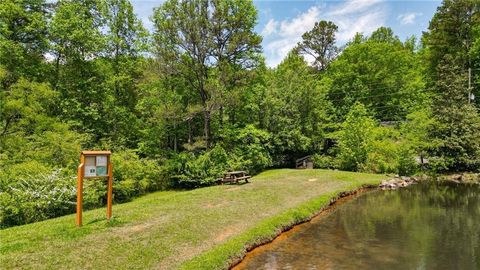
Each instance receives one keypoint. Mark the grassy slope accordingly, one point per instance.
(188, 229)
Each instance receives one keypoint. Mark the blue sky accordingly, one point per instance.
(282, 22)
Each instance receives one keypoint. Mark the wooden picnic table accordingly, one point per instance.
(234, 176)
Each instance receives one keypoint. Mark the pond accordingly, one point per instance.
(425, 226)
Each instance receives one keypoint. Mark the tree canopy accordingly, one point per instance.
(193, 98)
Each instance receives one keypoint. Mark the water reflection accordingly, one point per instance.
(426, 226)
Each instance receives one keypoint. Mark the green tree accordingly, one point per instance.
(319, 44)
(297, 111)
(458, 128)
(355, 138)
(193, 39)
(416, 132)
(448, 49)
(382, 73)
(126, 41)
(77, 39)
(23, 38)
(452, 32)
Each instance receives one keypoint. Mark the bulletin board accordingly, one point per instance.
(94, 164)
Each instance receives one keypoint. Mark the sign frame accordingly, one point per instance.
(84, 155)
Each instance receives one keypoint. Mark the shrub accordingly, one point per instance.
(37, 197)
(31, 192)
(323, 162)
(133, 176)
(251, 151)
(191, 171)
(354, 138)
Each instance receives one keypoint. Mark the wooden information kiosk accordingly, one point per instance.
(94, 164)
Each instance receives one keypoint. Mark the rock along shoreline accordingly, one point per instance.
(404, 181)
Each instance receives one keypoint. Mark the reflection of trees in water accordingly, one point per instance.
(423, 227)
(427, 226)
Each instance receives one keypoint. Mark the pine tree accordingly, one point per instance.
(448, 45)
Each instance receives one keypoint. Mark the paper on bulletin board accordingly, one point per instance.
(89, 161)
(101, 161)
(101, 170)
(90, 171)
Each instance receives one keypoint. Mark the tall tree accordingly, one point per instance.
(451, 32)
(296, 109)
(126, 41)
(382, 73)
(319, 44)
(193, 39)
(448, 48)
(23, 38)
(458, 128)
(355, 138)
(77, 40)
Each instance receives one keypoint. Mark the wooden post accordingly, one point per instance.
(109, 189)
(78, 221)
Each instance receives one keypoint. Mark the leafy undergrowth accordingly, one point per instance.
(207, 228)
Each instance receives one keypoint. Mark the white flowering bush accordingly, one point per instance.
(38, 197)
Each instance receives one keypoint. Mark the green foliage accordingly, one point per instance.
(23, 37)
(324, 162)
(31, 192)
(197, 99)
(458, 123)
(133, 176)
(30, 133)
(190, 170)
(452, 32)
(383, 151)
(319, 43)
(355, 138)
(297, 112)
(382, 73)
(451, 35)
(208, 44)
(251, 151)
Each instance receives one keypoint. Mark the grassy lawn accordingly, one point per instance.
(201, 228)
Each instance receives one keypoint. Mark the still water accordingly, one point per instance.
(424, 226)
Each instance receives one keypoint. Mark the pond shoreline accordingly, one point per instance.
(286, 231)
(394, 183)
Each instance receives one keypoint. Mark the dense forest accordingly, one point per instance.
(183, 103)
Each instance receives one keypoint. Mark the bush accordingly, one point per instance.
(133, 176)
(354, 138)
(251, 151)
(37, 197)
(188, 170)
(31, 192)
(383, 151)
(323, 162)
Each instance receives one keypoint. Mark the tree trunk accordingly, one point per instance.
(221, 116)
(175, 136)
(206, 128)
(190, 131)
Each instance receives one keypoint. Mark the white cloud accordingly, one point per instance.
(270, 28)
(354, 7)
(351, 17)
(288, 33)
(408, 18)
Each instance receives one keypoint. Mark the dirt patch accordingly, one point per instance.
(128, 231)
(225, 234)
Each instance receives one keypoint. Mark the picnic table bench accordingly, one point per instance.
(234, 177)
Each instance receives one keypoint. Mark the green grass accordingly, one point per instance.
(206, 228)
